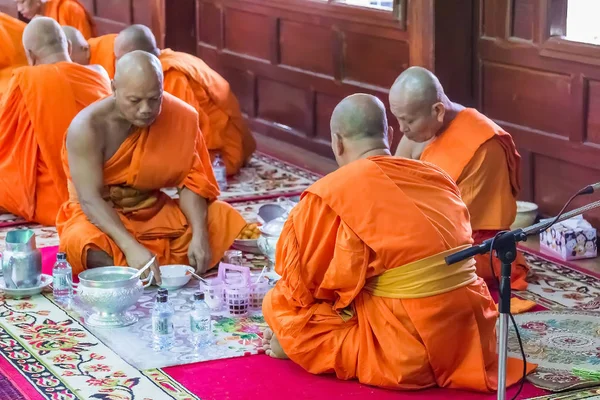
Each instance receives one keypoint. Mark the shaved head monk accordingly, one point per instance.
(95, 51)
(479, 155)
(40, 103)
(120, 152)
(365, 293)
(191, 80)
(65, 12)
(12, 54)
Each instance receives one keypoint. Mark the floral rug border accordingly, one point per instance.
(19, 324)
(572, 395)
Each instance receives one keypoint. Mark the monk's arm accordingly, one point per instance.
(194, 207)
(86, 165)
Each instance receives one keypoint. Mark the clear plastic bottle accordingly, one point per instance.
(200, 322)
(62, 276)
(163, 331)
(220, 172)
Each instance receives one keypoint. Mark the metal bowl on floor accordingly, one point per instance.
(109, 292)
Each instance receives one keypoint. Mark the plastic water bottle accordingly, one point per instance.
(200, 322)
(62, 276)
(163, 331)
(220, 172)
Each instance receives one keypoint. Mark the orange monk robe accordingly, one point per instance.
(483, 160)
(38, 108)
(12, 54)
(161, 156)
(102, 52)
(190, 79)
(71, 13)
(328, 254)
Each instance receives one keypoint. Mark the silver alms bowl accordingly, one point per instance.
(109, 292)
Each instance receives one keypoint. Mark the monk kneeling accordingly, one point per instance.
(365, 292)
(191, 80)
(41, 101)
(477, 154)
(120, 152)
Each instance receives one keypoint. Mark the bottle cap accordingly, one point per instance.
(61, 256)
(163, 291)
(199, 296)
(161, 298)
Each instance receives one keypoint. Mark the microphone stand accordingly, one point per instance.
(505, 245)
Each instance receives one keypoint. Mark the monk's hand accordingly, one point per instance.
(199, 254)
(138, 256)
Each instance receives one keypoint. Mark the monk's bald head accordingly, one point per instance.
(138, 87)
(80, 49)
(358, 124)
(417, 99)
(44, 41)
(135, 37)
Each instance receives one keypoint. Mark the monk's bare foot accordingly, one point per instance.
(272, 347)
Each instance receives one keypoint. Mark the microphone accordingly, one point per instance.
(590, 189)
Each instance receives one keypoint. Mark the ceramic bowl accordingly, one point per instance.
(526, 215)
(175, 276)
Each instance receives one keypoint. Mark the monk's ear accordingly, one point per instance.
(439, 111)
(390, 136)
(69, 47)
(337, 144)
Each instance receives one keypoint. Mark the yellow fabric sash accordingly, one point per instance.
(423, 278)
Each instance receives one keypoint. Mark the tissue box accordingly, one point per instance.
(571, 239)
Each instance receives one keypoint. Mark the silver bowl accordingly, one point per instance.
(109, 292)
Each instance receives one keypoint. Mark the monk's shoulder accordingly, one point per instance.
(172, 104)
(88, 126)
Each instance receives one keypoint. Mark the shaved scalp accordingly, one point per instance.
(419, 86)
(135, 37)
(138, 66)
(44, 37)
(74, 36)
(359, 116)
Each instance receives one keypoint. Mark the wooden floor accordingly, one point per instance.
(324, 165)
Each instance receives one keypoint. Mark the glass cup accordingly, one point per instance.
(233, 257)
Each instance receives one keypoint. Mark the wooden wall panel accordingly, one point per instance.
(545, 91)
(368, 59)
(284, 104)
(209, 23)
(523, 18)
(593, 112)
(308, 47)
(325, 105)
(114, 10)
(526, 97)
(557, 180)
(240, 26)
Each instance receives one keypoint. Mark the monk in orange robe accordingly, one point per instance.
(479, 155)
(38, 107)
(65, 12)
(12, 54)
(95, 51)
(190, 79)
(364, 290)
(120, 152)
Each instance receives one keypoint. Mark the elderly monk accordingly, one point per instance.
(468, 146)
(66, 12)
(38, 107)
(12, 54)
(95, 51)
(120, 152)
(190, 79)
(364, 291)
